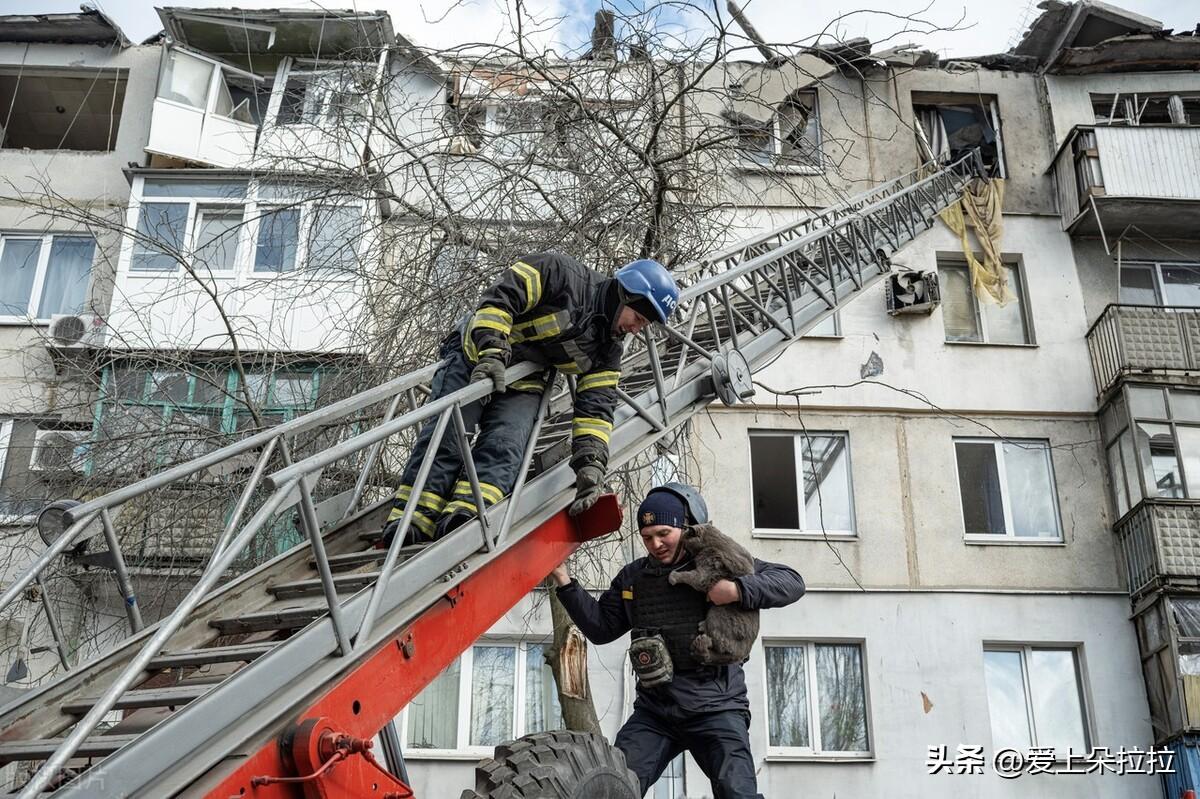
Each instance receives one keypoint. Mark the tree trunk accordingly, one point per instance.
(567, 658)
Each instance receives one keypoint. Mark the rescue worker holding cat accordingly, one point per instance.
(682, 702)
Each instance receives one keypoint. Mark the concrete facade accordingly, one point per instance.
(918, 595)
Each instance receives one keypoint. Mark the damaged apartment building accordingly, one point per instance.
(987, 470)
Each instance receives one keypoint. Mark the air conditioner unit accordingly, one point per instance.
(77, 331)
(58, 451)
(912, 292)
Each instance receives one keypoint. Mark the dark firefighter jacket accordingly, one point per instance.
(550, 309)
(772, 585)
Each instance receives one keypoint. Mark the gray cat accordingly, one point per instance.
(728, 631)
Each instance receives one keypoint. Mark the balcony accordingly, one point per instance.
(1108, 178)
(1160, 542)
(1153, 342)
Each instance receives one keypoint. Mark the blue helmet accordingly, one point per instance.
(650, 279)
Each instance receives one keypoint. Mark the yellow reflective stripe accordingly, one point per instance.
(533, 283)
(596, 380)
(527, 385)
(490, 352)
(570, 367)
(585, 426)
(469, 347)
(491, 494)
(419, 520)
(493, 318)
(461, 505)
(428, 498)
(627, 593)
(537, 329)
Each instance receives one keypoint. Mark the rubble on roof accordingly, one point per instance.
(907, 55)
(297, 32)
(852, 55)
(1082, 25)
(89, 26)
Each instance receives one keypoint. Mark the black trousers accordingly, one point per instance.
(719, 741)
(504, 427)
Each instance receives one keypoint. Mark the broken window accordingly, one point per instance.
(492, 693)
(52, 110)
(1035, 698)
(1138, 108)
(966, 318)
(816, 699)
(1164, 284)
(818, 464)
(44, 275)
(950, 126)
(791, 138)
(1155, 452)
(1007, 489)
(315, 94)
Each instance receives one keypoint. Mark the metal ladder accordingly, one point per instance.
(216, 679)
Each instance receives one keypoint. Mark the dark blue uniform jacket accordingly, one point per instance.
(606, 619)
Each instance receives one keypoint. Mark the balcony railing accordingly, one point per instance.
(1110, 177)
(1160, 542)
(1143, 339)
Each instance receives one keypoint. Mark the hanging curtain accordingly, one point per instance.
(932, 139)
(981, 205)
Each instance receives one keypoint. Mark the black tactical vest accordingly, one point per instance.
(672, 611)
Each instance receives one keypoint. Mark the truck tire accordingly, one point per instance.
(560, 764)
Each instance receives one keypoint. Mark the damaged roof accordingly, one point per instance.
(89, 26)
(1091, 36)
(297, 32)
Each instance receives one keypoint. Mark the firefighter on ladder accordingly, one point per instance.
(550, 309)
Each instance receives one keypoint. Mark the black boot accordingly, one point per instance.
(450, 523)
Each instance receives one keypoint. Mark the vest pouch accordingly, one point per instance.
(651, 661)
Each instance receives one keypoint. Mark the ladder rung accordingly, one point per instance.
(285, 619)
(42, 748)
(215, 654)
(345, 583)
(352, 560)
(144, 697)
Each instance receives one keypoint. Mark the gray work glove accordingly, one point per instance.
(589, 485)
(490, 369)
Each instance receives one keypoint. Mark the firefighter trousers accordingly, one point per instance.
(504, 423)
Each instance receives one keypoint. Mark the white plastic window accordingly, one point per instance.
(1007, 490)
(816, 699)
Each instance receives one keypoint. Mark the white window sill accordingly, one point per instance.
(447, 754)
(23, 321)
(991, 344)
(823, 336)
(772, 169)
(1013, 541)
(806, 535)
(782, 757)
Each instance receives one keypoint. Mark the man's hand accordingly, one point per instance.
(490, 369)
(560, 576)
(724, 592)
(589, 485)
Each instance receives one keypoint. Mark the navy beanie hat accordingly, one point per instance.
(662, 507)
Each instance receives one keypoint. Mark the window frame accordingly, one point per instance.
(1128, 101)
(254, 207)
(463, 728)
(1156, 270)
(804, 532)
(812, 752)
(946, 261)
(46, 244)
(774, 161)
(227, 409)
(1081, 676)
(1125, 423)
(1009, 537)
